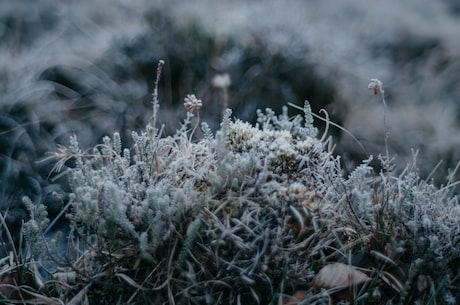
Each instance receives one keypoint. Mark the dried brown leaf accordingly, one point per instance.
(296, 298)
(339, 275)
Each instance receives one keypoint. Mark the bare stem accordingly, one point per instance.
(155, 103)
(385, 127)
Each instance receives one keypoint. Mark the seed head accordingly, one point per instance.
(376, 85)
(221, 81)
(192, 103)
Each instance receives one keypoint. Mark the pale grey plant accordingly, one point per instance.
(251, 199)
(177, 197)
(249, 215)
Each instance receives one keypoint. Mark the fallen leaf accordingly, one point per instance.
(338, 276)
(296, 298)
(11, 286)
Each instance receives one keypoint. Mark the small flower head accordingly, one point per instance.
(221, 81)
(192, 103)
(376, 85)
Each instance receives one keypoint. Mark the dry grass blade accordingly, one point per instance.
(24, 294)
(80, 297)
(383, 257)
(393, 282)
(298, 217)
(41, 299)
(130, 281)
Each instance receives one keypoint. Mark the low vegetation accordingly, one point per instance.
(253, 214)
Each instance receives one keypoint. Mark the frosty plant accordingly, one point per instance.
(255, 214)
(213, 219)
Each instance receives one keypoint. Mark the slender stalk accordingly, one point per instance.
(155, 103)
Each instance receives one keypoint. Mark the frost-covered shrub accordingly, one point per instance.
(405, 222)
(216, 216)
(247, 216)
(178, 199)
